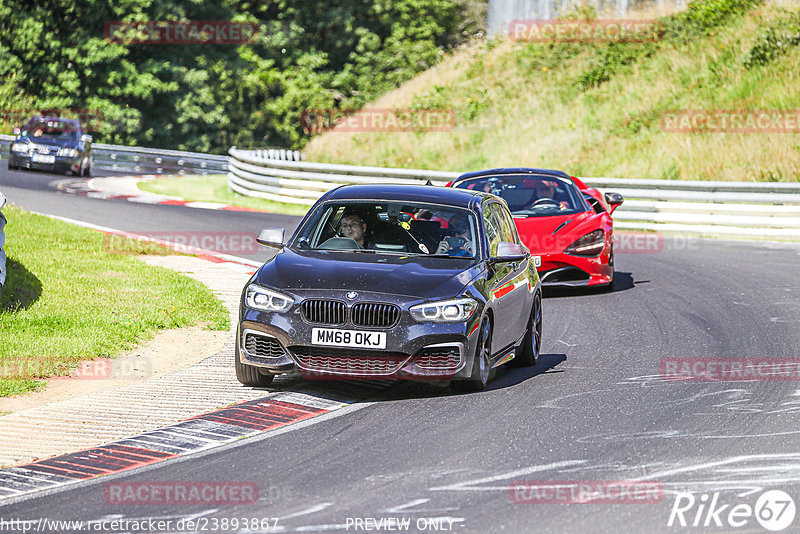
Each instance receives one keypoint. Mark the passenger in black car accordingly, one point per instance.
(458, 243)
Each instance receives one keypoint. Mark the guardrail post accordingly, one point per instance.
(2, 241)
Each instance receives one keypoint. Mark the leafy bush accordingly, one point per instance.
(207, 97)
(702, 16)
(774, 42)
(699, 18)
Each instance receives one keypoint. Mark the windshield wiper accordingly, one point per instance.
(446, 256)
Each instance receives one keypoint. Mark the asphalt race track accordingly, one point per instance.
(596, 408)
(36, 191)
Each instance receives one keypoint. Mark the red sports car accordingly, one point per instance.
(566, 224)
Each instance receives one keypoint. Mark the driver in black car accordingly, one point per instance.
(546, 189)
(353, 226)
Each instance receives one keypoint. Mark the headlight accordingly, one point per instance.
(22, 148)
(446, 311)
(68, 152)
(265, 299)
(589, 245)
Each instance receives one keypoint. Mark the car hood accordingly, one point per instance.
(553, 233)
(412, 276)
(48, 141)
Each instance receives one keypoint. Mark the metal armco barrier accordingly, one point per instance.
(156, 161)
(756, 210)
(2, 241)
(141, 160)
(300, 182)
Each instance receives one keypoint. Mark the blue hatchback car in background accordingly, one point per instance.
(52, 144)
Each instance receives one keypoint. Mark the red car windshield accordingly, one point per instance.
(531, 196)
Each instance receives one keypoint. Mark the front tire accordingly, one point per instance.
(249, 375)
(609, 287)
(528, 352)
(480, 364)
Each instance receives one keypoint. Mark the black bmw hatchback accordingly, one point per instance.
(393, 281)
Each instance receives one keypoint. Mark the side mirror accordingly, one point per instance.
(271, 237)
(614, 200)
(86, 138)
(507, 252)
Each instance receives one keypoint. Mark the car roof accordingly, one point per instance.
(465, 198)
(512, 170)
(60, 119)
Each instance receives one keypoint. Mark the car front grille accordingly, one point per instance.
(324, 311)
(262, 346)
(380, 315)
(44, 149)
(438, 358)
(347, 361)
(334, 312)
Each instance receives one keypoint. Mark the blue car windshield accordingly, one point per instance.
(50, 129)
(406, 228)
(531, 195)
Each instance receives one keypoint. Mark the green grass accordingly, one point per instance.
(68, 299)
(595, 109)
(214, 188)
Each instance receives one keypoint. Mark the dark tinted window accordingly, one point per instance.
(391, 228)
(493, 232)
(508, 230)
(530, 195)
(51, 128)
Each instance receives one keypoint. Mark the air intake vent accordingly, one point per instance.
(262, 346)
(348, 362)
(438, 358)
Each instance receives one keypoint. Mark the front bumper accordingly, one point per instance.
(282, 343)
(61, 164)
(565, 270)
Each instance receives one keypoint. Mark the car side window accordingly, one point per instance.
(508, 230)
(492, 229)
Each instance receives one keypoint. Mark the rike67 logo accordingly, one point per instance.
(773, 510)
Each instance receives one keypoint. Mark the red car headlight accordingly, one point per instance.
(589, 245)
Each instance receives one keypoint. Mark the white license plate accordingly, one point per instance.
(348, 338)
(42, 158)
(537, 261)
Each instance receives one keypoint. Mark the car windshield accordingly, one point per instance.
(406, 228)
(50, 129)
(531, 196)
